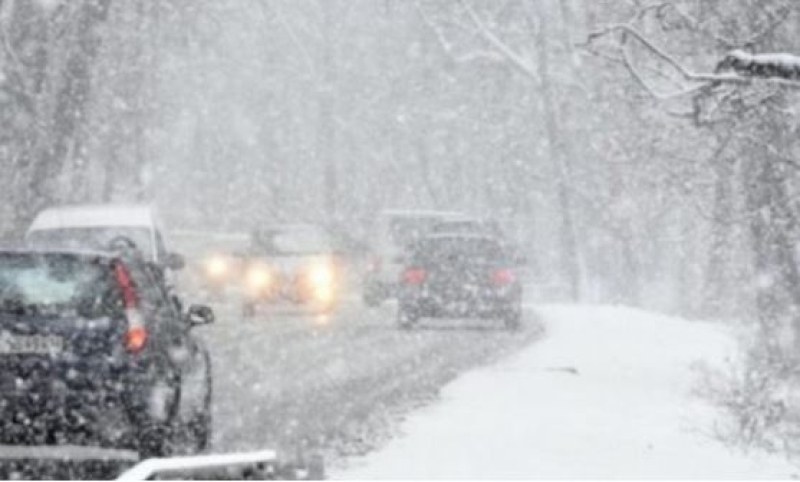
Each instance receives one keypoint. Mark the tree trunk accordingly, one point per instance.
(326, 128)
(570, 262)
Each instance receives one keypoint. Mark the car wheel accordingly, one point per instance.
(406, 319)
(249, 310)
(512, 318)
(200, 426)
(373, 296)
(156, 438)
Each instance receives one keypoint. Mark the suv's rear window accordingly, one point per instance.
(54, 283)
(405, 231)
(457, 249)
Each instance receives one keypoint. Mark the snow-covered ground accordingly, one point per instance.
(606, 394)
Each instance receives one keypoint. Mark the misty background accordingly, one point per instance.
(231, 113)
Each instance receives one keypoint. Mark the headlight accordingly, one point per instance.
(321, 280)
(258, 278)
(324, 294)
(321, 275)
(217, 267)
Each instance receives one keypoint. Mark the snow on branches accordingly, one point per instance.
(778, 65)
(736, 67)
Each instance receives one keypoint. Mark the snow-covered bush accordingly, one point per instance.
(760, 398)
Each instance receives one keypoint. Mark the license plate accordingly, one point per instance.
(30, 344)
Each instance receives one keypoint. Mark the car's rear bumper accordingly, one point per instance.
(92, 410)
(488, 303)
(65, 418)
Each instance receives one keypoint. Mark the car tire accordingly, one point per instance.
(512, 318)
(248, 310)
(316, 468)
(156, 438)
(199, 430)
(406, 319)
(201, 426)
(373, 296)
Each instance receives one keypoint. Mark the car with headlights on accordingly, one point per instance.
(460, 276)
(93, 351)
(292, 264)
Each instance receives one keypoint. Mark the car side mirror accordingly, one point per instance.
(174, 261)
(177, 303)
(200, 315)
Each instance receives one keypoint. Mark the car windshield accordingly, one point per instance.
(401, 239)
(52, 284)
(291, 242)
(89, 238)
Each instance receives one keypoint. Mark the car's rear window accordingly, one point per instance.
(458, 249)
(54, 284)
(405, 231)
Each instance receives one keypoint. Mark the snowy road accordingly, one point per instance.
(339, 384)
(608, 393)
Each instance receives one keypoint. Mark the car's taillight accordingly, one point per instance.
(414, 276)
(136, 335)
(135, 339)
(502, 277)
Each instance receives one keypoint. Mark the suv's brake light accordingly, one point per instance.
(502, 277)
(414, 276)
(136, 335)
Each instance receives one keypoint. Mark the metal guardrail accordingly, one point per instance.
(69, 453)
(76, 461)
(163, 466)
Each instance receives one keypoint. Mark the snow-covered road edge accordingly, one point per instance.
(608, 393)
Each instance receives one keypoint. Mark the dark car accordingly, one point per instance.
(294, 264)
(450, 275)
(487, 227)
(94, 351)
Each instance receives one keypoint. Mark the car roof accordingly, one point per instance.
(290, 227)
(464, 236)
(94, 215)
(422, 213)
(466, 219)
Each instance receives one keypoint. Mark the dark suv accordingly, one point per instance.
(94, 351)
(451, 275)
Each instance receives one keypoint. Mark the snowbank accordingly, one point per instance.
(607, 394)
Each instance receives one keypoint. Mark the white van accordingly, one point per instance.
(95, 226)
(394, 231)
